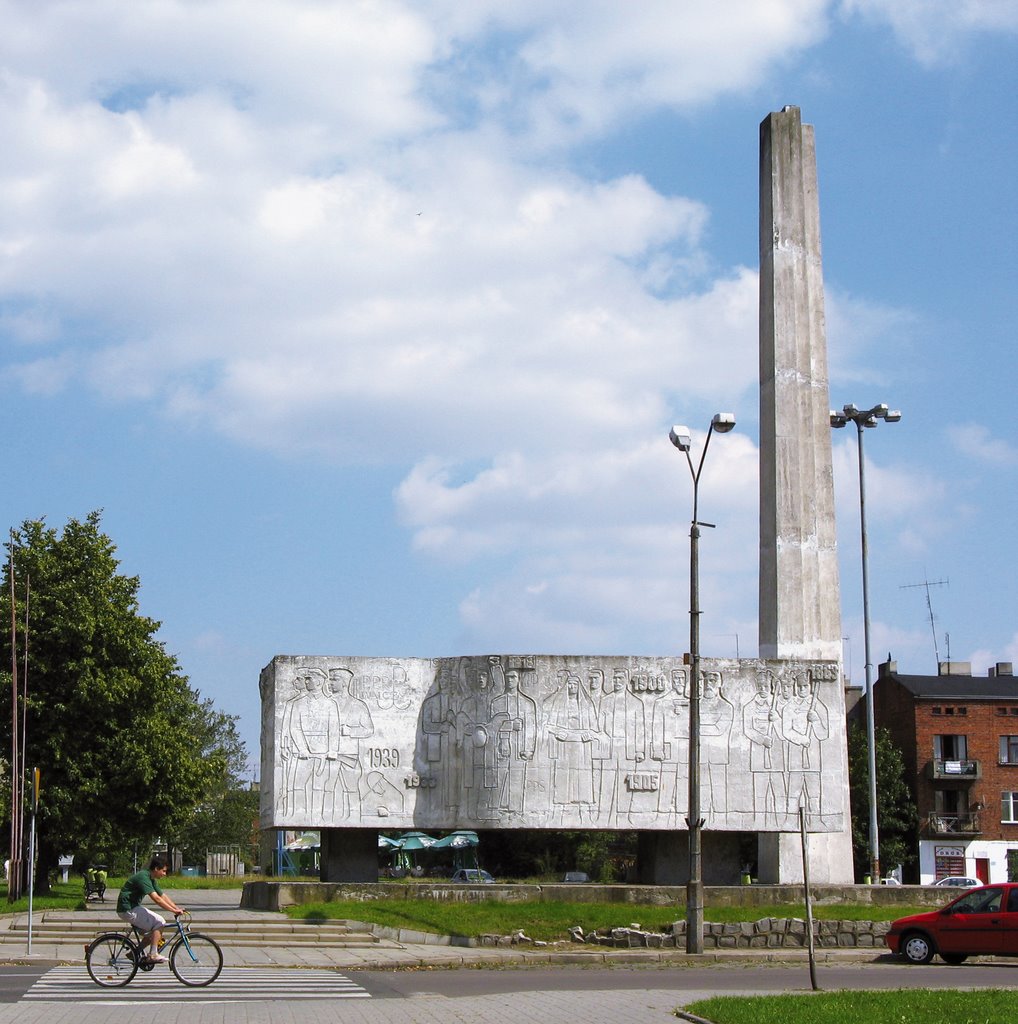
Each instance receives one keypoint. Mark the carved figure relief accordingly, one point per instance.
(500, 741)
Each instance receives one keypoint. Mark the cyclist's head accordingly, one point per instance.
(158, 864)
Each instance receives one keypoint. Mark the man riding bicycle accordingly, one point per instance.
(141, 884)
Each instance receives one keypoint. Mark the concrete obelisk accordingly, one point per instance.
(800, 603)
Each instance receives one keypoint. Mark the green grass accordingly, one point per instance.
(547, 921)
(896, 1007)
(544, 920)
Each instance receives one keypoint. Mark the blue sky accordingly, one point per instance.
(365, 323)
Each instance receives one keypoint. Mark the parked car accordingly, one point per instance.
(576, 876)
(471, 875)
(980, 922)
(889, 880)
(959, 881)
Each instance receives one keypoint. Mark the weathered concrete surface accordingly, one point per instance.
(800, 605)
(545, 741)
(275, 895)
(800, 600)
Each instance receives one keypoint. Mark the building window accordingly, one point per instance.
(1009, 749)
(950, 748)
(1009, 808)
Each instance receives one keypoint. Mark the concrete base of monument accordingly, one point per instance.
(277, 895)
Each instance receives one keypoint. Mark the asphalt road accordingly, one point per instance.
(44, 994)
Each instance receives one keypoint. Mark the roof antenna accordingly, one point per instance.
(929, 606)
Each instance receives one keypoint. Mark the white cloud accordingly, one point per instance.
(579, 67)
(937, 30)
(916, 505)
(600, 538)
(975, 441)
(343, 229)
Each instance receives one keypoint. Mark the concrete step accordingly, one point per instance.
(66, 927)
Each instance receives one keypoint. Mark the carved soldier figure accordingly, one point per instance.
(314, 733)
(716, 717)
(762, 726)
(670, 745)
(354, 725)
(478, 742)
(805, 723)
(438, 721)
(514, 717)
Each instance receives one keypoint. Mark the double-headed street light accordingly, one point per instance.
(722, 422)
(867, 418)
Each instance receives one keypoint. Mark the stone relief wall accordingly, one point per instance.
(537, 741)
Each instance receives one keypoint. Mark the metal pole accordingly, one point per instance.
(694, 887)
(694, 823)
(870, 720)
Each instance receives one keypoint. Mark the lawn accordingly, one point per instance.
(542, 920)
(990, 1006)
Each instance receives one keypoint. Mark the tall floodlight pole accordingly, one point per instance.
(722, 422)
(867, 418)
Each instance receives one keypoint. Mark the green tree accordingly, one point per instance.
(121, 739)
(897, 820)
(228, 816)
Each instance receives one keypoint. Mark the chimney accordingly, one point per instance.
(954, 668)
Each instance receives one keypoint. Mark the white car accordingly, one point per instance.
(471, 875)
(959, 882)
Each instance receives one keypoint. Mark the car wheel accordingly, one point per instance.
(917, 948)
(954, 958)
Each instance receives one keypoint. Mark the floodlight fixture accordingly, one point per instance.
(680, 437)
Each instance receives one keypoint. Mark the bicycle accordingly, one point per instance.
(114, 958)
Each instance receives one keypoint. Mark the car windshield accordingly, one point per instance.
(982, 901)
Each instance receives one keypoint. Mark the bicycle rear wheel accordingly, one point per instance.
(196, 959)
(112, 960)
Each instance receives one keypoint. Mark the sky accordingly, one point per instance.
(364, 322)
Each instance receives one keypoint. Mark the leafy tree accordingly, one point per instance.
(123, 743)
(228, 816)
(897, 819)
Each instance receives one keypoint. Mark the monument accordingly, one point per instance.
(800, 600)
(354, 745)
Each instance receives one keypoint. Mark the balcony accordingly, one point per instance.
(953, 825)
(940, 770)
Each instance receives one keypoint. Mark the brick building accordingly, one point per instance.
(959, 738)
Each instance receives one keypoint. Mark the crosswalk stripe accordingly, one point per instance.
(235, 984)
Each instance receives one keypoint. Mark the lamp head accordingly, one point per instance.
(722, 422)
(880, 411)
(850, 410)
(893, 416)
(680, 437)
(838, 419)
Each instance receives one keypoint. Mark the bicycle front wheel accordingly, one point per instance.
(112, 960)
(196, 959)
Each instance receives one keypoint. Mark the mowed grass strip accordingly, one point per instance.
(989, 1006)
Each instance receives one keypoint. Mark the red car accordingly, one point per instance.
(981, 922)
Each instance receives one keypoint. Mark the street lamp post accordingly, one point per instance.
(722, 422)
(867, 418)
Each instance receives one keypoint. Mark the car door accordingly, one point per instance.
(1010, 930)
(973, 924)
